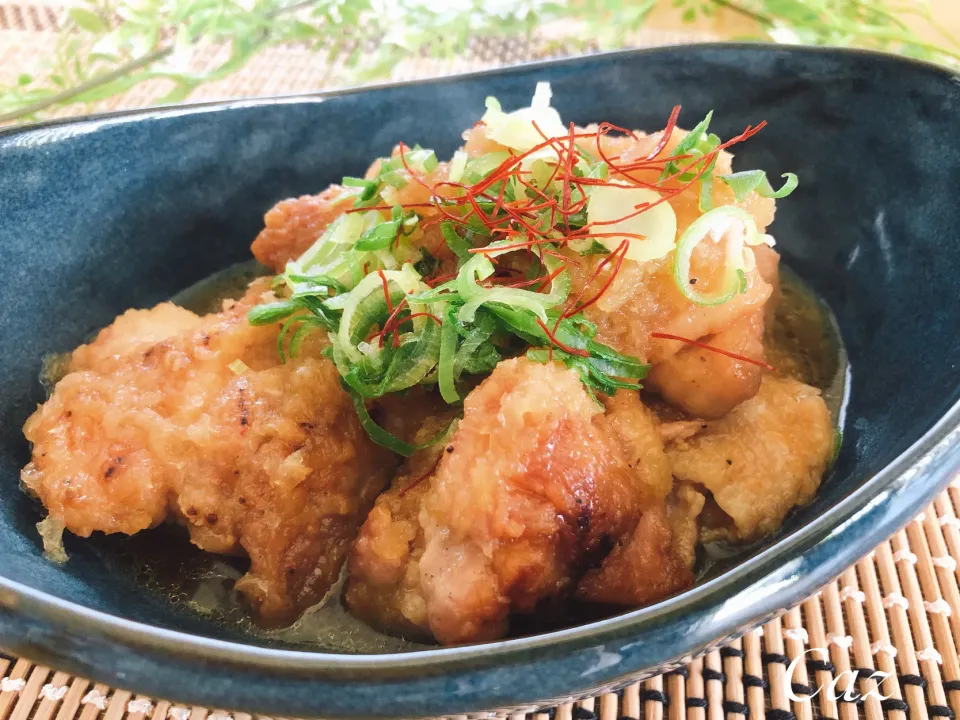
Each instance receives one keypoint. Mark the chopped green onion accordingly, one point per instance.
(441, 293)
(379, 236)
(700, 229)
(457, 165)
(599, 171)
(385, 438)
(837, 445)
(457, 244)
(480, 268)
(427, 264)
(595, 248)
(365, 305)
(345, 230)
(687, 146)
(416, 159)
(369, 187)
(377, 433)
(476, 169)
(445, 367)
(476, 356)
(323, 283)
(297, 338)
(417, 357)
(271, 312)
(743, 183)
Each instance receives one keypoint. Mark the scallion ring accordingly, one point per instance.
(719, 222)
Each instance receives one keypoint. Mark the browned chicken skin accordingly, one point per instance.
(153, 422)
(707, 384)
(536, 485)
(760, 460)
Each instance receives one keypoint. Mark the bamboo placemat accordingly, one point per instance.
(897, 611)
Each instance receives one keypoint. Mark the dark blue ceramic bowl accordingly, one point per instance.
(124, 210)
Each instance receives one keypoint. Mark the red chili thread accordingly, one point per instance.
(607, 127)
(387, 325)
(509, 218)
(413, 175)
(423, 477)
(386, 290)
(565, 348)
(667, 132)
(721, 351)
(440, 279)
(619, 254)
(550, 278)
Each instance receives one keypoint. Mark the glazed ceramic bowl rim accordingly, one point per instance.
(939, 443)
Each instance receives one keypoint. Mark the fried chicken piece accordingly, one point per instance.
(171, 415)
(707, 384)
(635, 427)
(293, 225)
(684, 506)
(657, 559)
(384, 566)
(645, 568)
(760, 460)
(534, 487)
(643, 299)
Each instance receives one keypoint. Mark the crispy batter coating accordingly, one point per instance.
(645, 568)
(635, 428)
(536, 485)
(707, 384)
(383, 585)
(760, 460)
(151, 422)
(291, 226)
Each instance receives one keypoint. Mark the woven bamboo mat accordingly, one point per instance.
(897, 611)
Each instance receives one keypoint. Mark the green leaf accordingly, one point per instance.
(689, 15)
(793, 11)
(743, 183)
(369, 187)
(445, 367)
(379, 236)
(115, 87)
(459, 246)
(87, 20)
(595, 248)
(271, 312)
